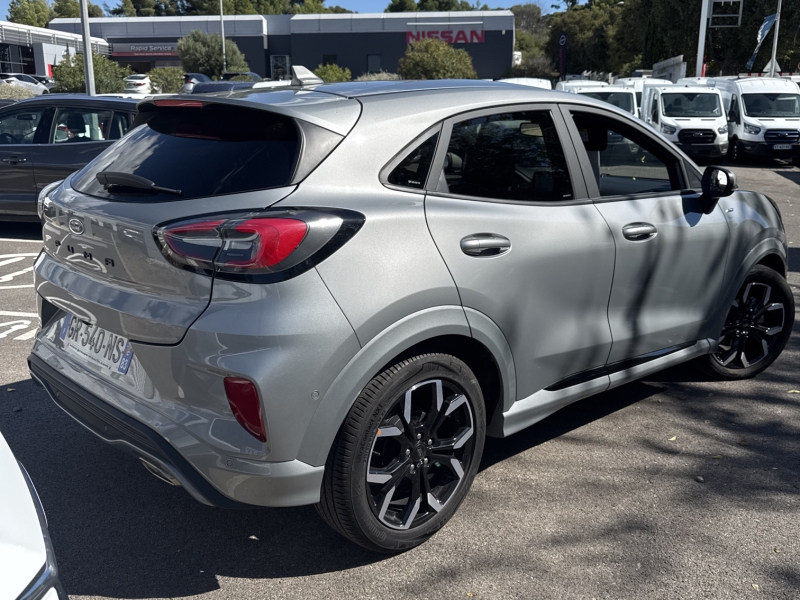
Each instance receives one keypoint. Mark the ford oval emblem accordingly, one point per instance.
(76, 226)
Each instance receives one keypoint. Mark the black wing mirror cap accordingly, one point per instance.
(717, 183)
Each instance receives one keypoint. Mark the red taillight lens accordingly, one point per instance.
(192, 244)
(260, 243)
(243, 399)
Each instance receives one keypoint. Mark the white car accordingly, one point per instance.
(25, 81)
(28, 568)
(141, 84)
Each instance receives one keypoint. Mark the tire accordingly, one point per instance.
(756, 329)
(381, 460)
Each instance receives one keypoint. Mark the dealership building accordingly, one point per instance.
(34, 50)
(363, 43)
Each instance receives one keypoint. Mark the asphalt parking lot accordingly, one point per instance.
(672, 487)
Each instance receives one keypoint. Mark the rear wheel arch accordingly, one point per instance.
(774, 262)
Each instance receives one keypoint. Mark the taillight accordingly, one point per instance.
(243, 400)
(257, 248)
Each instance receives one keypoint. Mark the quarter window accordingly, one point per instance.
(625, 161)
(507, 156)
(19, 127)
(413, 169)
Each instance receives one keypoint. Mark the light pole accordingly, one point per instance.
(88, 63)
(222, 27)
(701, 43)
(772, 66)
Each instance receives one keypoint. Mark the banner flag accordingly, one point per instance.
(762, 33)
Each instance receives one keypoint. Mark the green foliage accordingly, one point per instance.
(30, 12)
(435, 59)
(445, 5)
(534, 66)
(590, 32)
(11, 91)
(108, 75)
(401, 6)
(71, 9)
(168, 79)
(332, 73)
(126, 9)
(152, 8)
(379, 76)
(202, 53)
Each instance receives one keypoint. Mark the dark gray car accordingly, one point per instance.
(44, 139)
(330, 295)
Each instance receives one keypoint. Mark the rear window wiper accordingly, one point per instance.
(111, 179)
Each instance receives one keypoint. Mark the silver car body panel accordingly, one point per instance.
(311, 343)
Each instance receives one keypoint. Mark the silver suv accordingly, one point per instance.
(331, 294)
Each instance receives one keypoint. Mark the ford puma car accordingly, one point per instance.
(331, 294)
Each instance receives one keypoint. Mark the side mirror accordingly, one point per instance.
(717, 183)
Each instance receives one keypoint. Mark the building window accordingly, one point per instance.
(373, 63)
(280, 66)
(329, 59)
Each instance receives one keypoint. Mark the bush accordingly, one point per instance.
(108, 75)
(379, 76)
(202, 53)
(12, 91)
(169, 79)
(434, 59)
(332, 73)
(534, 66)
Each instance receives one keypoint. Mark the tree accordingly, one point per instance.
(10, 91)
(590, 33)
(126, 9)
(534, 66)
(332, 73)
(30, 12)
(202, 53)
(168, 79)
(434, 59)
(401, 6)
(108, 75)
(71, 9)
(444, 5)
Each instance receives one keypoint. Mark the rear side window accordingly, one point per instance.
(413, 169)
(210, 151)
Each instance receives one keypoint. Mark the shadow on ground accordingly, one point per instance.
(19, 230)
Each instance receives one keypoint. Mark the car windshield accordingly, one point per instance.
(771, 105)
(691, 104)
(623, 100)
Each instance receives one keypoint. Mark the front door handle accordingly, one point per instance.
(485, 244)
(638, 232)
(12, 160)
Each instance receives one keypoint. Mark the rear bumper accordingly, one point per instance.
(290, 483)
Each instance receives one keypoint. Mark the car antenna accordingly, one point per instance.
(302, 77)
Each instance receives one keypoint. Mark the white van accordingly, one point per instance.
(638, 83)
(763, 116)
(690, 116)
(566, 86)
(545, 84)
(619, 96)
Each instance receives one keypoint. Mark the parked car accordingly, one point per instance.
(141, 84)
(330, 294)
(691, 116)
(566, 86)
(242, 76)
(45, 139)
(622, 97)
(45, 80)
(26, 81)
(28, 569)
(208, 87)
(190, 79)
(536, 82)
(762, 115)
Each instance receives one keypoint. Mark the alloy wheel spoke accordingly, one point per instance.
(435, 416)
(414, 501)
(390, 475)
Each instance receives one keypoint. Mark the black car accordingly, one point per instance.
(44, 139)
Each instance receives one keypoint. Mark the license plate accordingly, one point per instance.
(84, 340)
(782, 147)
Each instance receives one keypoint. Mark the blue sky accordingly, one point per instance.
(362, 6)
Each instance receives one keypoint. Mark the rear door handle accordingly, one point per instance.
(638, 232)
(485, 244)
(12, 160)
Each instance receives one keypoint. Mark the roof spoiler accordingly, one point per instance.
(302, 77)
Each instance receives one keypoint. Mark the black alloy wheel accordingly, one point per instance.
(757, 326)
(406, 455)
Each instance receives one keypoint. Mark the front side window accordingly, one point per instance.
(689, 104)
(623, 160)
(508, 156)
(81, 125)
(413, 169)
(19, 126)
(771, 105)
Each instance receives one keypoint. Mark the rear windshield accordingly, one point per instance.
(771, 105)
(623, 100)
(201, 152)
(690, 104)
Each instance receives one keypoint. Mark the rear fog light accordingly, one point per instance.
(243, 399)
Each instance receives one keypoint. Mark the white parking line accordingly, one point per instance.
(11, 313)
(14, 287)
(14, 240)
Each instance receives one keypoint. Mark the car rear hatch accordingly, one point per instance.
(104, 262)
